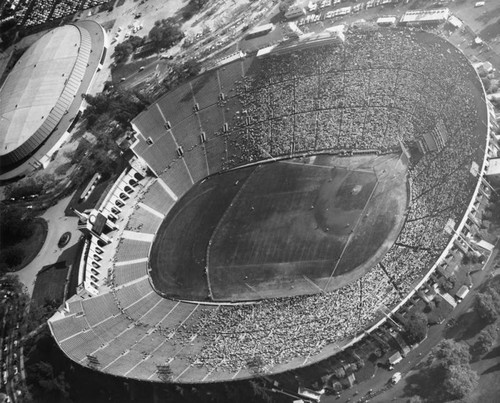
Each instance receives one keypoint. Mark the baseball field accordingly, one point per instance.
(290, 227)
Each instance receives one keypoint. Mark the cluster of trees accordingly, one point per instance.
(165, 33)
(179, 73)
(487, 304)
(16, 225)
(486, 339)
(193, 7)
(126, 48)
(447, 374)
(416, 327)
(108, 117)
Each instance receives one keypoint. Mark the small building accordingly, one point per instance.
(493, 172)
(455, 22)
(265, 51)
(462, 292)
(428, 17)
(395, 358)
(260, 31)
(386, 21)
(295, 12)
(483, 67)
(310, 394)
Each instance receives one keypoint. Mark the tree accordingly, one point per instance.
(126, 48)
(16, 224)
(460, 381)
(416, 327)
(165, 33)
(485, 307)
(449, 352)
(486, 339)
(12, 257)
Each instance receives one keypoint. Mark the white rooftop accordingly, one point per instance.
(35, 84)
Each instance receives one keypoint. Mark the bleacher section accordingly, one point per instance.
(178, 178)
(144, 221)
(129, 272)
(158, 199)
(323, 99)
(99, 308)
(130, 249)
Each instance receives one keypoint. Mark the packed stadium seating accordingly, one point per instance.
(383, 91)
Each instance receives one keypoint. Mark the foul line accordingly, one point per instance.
(351, 235)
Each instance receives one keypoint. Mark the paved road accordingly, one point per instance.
(57, 224)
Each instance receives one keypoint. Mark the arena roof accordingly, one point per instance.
(35, 84)
(48, 100)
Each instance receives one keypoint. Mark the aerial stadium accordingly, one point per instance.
(279, 207)
(42, 95)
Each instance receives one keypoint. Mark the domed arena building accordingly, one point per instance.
(41, 99)
(280, 207)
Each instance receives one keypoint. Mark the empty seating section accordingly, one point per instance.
(81, 345)
(178, 315)
(177, 105)
(143, 221)
(143, 305)
(212, 120)
(187, 135)
(68, 326)
(75, 306)
(197, 163)
(112, 327)
(161, 153)
(125, 363)
(205, 90)
(130, 272)
(151, 124)
(99, 308)
(158, 199)
(128, 295)
(215, 150)
(228, 77)
(130, 249)
(156, 315)
(177, 178)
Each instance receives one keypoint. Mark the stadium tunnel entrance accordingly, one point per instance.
(292, 227)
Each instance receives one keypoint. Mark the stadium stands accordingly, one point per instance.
(382, 91)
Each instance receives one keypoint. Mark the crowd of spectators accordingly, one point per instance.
(376, 92)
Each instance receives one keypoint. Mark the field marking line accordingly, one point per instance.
(352, 234)
(313, 283)
(254, 290)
